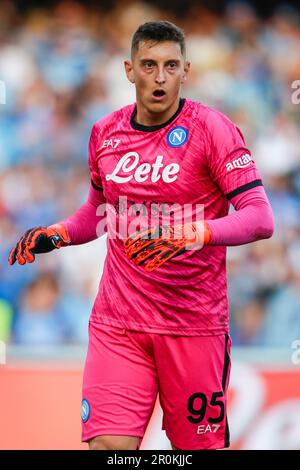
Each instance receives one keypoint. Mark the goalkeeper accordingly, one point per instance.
(160, 319)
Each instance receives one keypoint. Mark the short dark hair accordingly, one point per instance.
(158, 31)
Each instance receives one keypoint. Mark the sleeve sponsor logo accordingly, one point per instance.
(241, 162)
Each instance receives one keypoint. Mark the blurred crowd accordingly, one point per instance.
(62, 69)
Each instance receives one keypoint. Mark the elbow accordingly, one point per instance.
(266, 230)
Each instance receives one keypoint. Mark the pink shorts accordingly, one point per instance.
(124, 370)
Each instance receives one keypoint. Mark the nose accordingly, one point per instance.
(160, 77)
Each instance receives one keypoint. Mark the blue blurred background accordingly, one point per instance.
(62, 67)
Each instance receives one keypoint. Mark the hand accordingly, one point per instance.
(38, 240)
(163, 242)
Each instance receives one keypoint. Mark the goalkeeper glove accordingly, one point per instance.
(38, 240)
(163, 242)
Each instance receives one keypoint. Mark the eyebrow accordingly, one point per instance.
(142, 60)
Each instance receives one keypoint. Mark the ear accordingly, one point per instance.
(186, 70)
(129, 70)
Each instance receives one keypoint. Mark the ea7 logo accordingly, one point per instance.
(241, 162)
(111, 143)
(209, 428)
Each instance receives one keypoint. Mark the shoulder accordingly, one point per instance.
(114, 119)
(209, 116)
(213, 117)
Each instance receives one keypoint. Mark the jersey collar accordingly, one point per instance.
(141, 127)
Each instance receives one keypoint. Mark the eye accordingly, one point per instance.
(148, 65)
(172, 65)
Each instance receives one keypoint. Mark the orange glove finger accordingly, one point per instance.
(144, 255)
(138, 246)
(12, 258)
(164, 255)
(151, 233)
(21, 247)
(141, 235)
(150, 250)
(164, 249)
(30, 243)
(12, 255)
(28, 256)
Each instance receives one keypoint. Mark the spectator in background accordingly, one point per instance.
(248, 321)
(283, 309)
(39, 321)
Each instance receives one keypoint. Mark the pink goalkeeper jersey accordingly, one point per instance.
(198, 157)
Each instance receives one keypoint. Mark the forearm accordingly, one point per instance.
(253, 220)
(85, 225)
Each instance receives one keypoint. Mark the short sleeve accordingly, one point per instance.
(230, 162)
(94, 171)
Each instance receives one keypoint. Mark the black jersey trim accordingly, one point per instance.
(243, 188)
(226, 364)
(98, 188)
(224, 382)
(227, 435)
(141, 127)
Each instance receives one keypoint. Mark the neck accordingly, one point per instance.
(145, 117)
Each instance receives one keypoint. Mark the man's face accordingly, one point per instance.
(157, 69)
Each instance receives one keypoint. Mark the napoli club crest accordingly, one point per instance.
(85, 410)
(177, 136)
